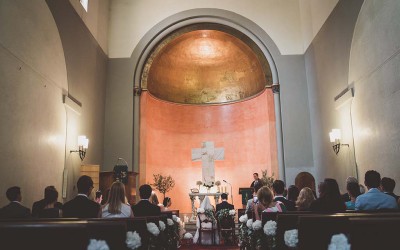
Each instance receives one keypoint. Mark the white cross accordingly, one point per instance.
(207, 154)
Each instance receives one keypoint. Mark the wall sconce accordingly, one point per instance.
(335, 136)
(83, 144)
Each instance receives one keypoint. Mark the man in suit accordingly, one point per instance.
(14, 209)
(81, 206)
(278, 187)
(257, 183)
(224, 203)
(387, 186)
(39, 205)
(374, 199)
(144, 208)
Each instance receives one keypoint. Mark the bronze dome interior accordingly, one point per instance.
(205, 66)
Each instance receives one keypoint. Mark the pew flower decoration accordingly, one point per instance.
(162, 225)
(176, 218)
(244, 239)
(291, 238)
(270, 231)
(97, 245)
(170, 222)
(257, 225)
(188, 236)
(153, 229)
(243, 218)
(232, 212)
(217, 183)
(249, 224)
(339, 242)
(133, 240)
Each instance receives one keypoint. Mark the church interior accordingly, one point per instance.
(201, 91)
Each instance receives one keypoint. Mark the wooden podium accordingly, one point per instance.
(247, 194)
(107, 179)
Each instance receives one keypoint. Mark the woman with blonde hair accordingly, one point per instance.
(266, 203)
(306, 197)
(116, 206)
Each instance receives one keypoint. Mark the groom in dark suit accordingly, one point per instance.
(144, 207)
(14, 209)
(81, 206)
(224, 203)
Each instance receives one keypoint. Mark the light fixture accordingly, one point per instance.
(335, 136)
(83, 144)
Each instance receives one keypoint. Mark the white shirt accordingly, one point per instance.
(125, 212)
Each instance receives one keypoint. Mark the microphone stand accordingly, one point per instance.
(231, 190)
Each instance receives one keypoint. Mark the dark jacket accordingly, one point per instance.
(328, 205)
(393, 195)
(81, 207)
(290, 205)
(224, 205)
(256, 185)
(40, 205)
(15, 210)
(145, 208)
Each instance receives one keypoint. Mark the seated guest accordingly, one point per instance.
(224, 203)
(116, 206)
(81, 206)
(387, 186)
(374, 199)
(167, 202)
(251, 204)
(293, 193)
(39, 205)
(354, 191)
(330, 199)
(154, 199)
(349, 179)
(266, 203)
(144, 207)
(14, 209)
(50, 210)
(305, 179)
(278, 187)
(306, 197)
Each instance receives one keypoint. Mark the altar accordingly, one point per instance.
(201, 197)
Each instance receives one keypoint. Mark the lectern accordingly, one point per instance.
(247, 194)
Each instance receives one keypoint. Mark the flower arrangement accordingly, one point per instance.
(97, 245)
(188, 236)
(172, 232)
(199, 183)
(226, 220)
(339, 242)
(244, 231)
(232, 212)
(249, 224)
(153, 229)
(243, 218)
(133, 240)
(170, 222)
(267, 180)
(257, 225)
(217, 183)
(208, 185)
(291, 238)
(270, 231)
(162, 225)
(257, 236)
(210, 215)
(163, 184)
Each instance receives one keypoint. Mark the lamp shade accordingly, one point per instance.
(83, 141)
(331, 137)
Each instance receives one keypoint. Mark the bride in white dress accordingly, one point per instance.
(206, 237)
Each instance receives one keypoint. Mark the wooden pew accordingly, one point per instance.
(112, 231)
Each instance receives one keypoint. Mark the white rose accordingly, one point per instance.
(97, 245)
(270, 228)
(243, 218)
(178, 220)
(188, 236)
(162, 225)
(291, 238)
(153, 229)
(170, 222)
(339, 242)
(257, 225)
(133, 240)
(249, 223)
(232, 212)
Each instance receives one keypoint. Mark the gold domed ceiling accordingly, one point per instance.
(205, 67)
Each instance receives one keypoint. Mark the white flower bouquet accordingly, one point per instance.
(133, 240)
(162, 225)
(188, 236)
(153, 229)
(270, 228)
(249, 224)
(339, 242)
(232, 212)
(243, 218)
(97, 245)
(257, 225)
(291, 238)
(170, 222)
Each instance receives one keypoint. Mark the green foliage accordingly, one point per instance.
(163, 184)
(267, 180)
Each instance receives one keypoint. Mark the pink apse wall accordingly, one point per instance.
(169, 132)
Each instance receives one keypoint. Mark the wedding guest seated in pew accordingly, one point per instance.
(39, 205)
(374, 199)
(278, 187)
(167, 202)
(387, 186)
(305, 179)
(293, 193)
(350, 179)
(144, 208)
(50, 209)
(251, 203)
(330, 199)
(81, 206)
(353, 190)
(14, 210)
(306, 197)
(116, 206)
(266, 203)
